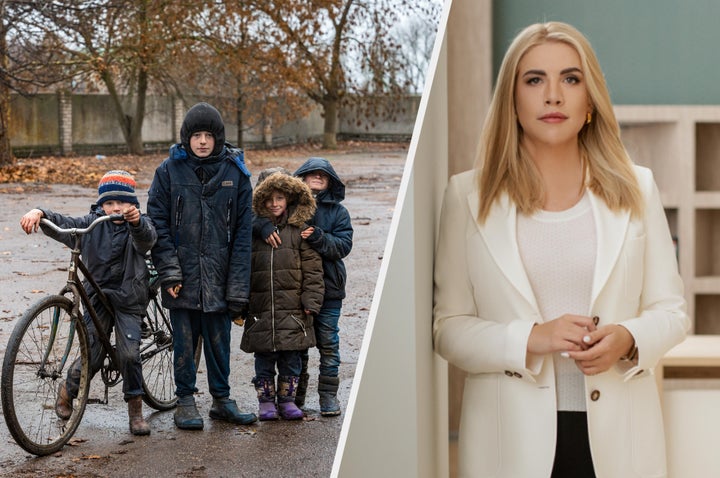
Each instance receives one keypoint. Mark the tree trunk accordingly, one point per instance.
(6, 154)
(239, 117)
(135, 141)
(330, 109)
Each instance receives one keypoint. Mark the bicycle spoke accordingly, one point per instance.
(41, 348)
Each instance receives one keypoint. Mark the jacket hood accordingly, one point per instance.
(203, 117)
(301, 204)
(336, 188)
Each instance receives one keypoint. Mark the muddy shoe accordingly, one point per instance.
(138, 425)
(327, 388)
(227, 410)
(186, 415)
(63, 403)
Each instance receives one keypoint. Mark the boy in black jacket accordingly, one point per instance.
(114, 253)
(200, 201)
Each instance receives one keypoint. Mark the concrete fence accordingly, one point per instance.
(65, 124)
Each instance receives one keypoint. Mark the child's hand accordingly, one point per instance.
(307, 232)
(174, 291)
(274, 240)
(131, 215)
(31, 220)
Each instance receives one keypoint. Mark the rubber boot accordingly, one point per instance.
(287, 388)
(63, 403)
(327, 388)
(265, 388)
(226, 409)
(138, 425)
(186, 415)
(301, 391)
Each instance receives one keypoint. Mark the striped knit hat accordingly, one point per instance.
(118, 185)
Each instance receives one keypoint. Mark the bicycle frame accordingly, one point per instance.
(75, 287)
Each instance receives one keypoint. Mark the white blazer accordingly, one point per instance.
(484, 310)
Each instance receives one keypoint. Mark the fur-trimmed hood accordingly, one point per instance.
(301, 204)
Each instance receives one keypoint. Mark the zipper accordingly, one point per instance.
(272, 296)
(227, 219)
(178, 218)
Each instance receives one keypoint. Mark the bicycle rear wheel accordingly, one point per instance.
(44, 344)
(156, 354)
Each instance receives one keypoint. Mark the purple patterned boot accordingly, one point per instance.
(265, 388)
(287, 388)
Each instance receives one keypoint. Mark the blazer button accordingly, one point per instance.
(596, 320)
(508, 373)
(595, 395)
(518, 375)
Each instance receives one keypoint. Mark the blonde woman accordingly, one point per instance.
(556, 283)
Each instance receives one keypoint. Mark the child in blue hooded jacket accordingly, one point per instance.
(331, 235)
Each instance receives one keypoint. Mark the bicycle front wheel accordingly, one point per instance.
(45, 342)
(156, 354)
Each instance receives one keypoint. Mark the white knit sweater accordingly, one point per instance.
(558, 250)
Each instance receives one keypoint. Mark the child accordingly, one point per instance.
(200, 201)
(331, 235)
(286, 291)
(114, 253)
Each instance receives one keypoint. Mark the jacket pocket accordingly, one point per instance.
(300, 324)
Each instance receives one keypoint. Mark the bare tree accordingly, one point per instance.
(315, 38)
(6, 155)
(124, 45)
(25, 65)
(236, 63)
(416, 38)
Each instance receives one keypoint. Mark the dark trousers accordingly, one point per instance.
(188, 327)
(127, 349)
(288, 364)
(572, 451)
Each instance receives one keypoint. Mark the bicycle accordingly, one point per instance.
(52, 334)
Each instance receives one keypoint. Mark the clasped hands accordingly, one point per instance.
(594, 349)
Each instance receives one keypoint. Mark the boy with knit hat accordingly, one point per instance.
(200, 201)
(114, 253)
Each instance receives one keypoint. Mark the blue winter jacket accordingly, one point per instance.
(204, 231)
(333, 234)
(114, 255)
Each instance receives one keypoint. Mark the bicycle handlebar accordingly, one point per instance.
(81, 231)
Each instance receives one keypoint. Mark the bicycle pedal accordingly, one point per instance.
(145, 331)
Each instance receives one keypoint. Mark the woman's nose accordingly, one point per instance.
(553, 95)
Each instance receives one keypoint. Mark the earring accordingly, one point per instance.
(589, 118)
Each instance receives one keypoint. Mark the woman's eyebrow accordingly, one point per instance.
(572, 69)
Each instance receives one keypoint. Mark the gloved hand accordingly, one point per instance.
(239, 311)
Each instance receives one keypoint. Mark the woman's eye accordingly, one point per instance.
(573, 80)
(533, 80)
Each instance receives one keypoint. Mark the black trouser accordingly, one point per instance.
(572, 451)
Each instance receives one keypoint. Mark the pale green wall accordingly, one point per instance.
(651, 51)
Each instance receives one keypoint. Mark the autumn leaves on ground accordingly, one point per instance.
(28, 175)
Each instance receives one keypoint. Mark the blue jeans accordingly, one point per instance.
(288, 364)
(328, 342)
(127, 350)
(188, 327)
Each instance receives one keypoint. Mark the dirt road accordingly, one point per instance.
(33, 266)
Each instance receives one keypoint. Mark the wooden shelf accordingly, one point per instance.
(681, 144)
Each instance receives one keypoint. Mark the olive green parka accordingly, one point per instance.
(285, 281)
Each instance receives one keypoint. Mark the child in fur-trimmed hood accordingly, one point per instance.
(286, 292)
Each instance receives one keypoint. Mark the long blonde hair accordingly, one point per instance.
(506, 167)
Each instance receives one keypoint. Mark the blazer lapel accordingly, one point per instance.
(500, 235)
(611, 228)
